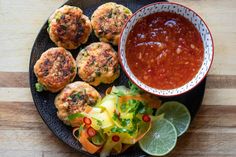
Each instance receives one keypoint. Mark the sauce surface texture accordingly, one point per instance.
(164, 50)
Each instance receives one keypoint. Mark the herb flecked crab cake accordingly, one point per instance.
(68, 27)
(98, 63)
(108, 21)
(55, 69)
(73, 99)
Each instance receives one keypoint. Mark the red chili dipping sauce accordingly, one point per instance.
(164, 50)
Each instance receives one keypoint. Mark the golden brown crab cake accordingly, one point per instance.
(68, 27)
(98, 63)
(74, 98)
(55, 69)
(108, 21)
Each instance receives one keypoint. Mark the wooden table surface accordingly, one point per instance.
(24, 134)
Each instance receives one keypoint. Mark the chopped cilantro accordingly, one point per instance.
(118, 93)
(63, 26)
(39, 87)
(80, 129)
(149, 110)
(75, 115)
(72, 69)
(123, 107)
(135, 121)
(98, 139)
(141, 108)
(134, 89)
(118, 130)
(109, 14)
(133, 106)
(78, 95)
(99, 122)
(98, 73)
(115, 116)
(125, 122)
(75, 96)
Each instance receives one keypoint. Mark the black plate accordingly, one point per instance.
(44, 101)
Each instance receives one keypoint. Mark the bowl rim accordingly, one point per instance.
(165, 95)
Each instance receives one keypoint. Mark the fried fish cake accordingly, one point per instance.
(108, 21)
(55, 69)
(98, 63)
(68, 27)
(74, 98)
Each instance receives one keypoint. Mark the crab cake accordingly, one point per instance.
(55, 69)
(74, 98)
(68, 27)
(98, 63)
(108, 21)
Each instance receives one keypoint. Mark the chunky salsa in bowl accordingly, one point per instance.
(166, 49)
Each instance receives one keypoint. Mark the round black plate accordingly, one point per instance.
(44, 101)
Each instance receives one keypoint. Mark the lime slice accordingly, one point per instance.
(160, 139)
(177, 114)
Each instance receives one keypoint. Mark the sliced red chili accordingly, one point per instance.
(91, 132)
(115, 138)
(146, 118)
(87, 121)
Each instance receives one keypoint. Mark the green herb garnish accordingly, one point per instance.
(134, 89)
(127, 11)
(48, 29)
(75, 115)
(123, 107)
(39, 87)
(118, 130)
(118, 93)
(125, 122)
(98, 73)
(64, 26)
(115, 116)
(149, 110)
(81, 129)
(58, 16)
(110, 14)
(99, 122)
(98, 139)
(78, 95)
(72, 69)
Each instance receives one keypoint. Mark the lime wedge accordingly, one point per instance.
(177, 114)
(160, 139)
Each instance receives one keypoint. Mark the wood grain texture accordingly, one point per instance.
(24, 134)
(20, 23)
(221, 81)
(15, 95)
(21, 153)
(21, 79)
(213, 133)
(14, 79)
(17, 58)
(222, 96)
(219, 17)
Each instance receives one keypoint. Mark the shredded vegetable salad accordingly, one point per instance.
(118, 121)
